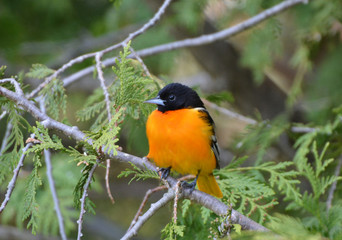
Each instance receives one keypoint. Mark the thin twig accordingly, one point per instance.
(47, 157)
(177, 192)
(143, 203)
(11, 184)
(81, 58)
(333, 186)
(109, 115)
(15, 84)
(136, 56)
(103, 83)
(247, 120)
(107, 182)
(167, 197)
(3, 114)
(229, 113)
(5, 139)
(82, 200)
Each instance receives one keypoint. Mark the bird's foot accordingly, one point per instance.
(164, 172)
(191, 185)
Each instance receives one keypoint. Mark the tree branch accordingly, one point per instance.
(197, 41)
(5, 139)
(103, 83)
(333, 186)
(167, 197)
(82, 200)
(197, 196)
(47, 157)
(81, 58)
(11, 184)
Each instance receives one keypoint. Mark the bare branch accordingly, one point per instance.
(107, 182)
(47, 156)
(229, 113)
(333, 186)
(15, 84)
(143, 203)
(103, 83)
(5, 139)
(175, 203)
(3, 114)
(149, 213)
(198, 41)
(247, 120)
(82, 200)
(11, 184)
(81, 58)
(136, 56)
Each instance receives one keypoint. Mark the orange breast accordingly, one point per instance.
(180, 139)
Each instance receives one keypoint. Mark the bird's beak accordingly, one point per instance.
(156, 100)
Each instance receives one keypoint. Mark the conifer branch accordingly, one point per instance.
(197, 41)
(82, 200)
(47, 157)
(167, 197)
(197, 196)
(334, 184)
(81, 58)
(11, 184)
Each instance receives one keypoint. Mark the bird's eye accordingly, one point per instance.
(172, 97)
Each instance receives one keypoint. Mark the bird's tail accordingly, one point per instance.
(208, 184)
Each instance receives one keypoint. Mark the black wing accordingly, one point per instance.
(214, 145)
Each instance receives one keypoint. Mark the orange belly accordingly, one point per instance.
(180, 139)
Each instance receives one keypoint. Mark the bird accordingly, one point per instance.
(181, 137)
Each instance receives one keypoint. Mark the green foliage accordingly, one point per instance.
(127, 95)
(261, 136)
(45, 141)
(132, 88)
(78, 157)
(264, 43)
(55, 98)
(31, 207)
(189, 14)
(220, 97)
(106, 137)
(39, 71)
(173, 231)
(138, 174)
(32, 197)
(18, 125)
(79, 189)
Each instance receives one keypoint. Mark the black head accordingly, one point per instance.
(176, 96)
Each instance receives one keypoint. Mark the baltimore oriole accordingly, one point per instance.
(181, 137)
